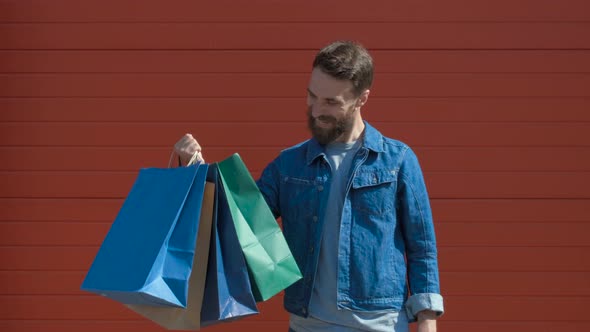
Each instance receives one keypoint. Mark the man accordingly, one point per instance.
(354, 209)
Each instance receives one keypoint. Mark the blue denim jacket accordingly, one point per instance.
(386, 219)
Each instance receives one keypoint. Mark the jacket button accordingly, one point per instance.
(310, 250)
(315, 218)
(304, 311)
(320, 188)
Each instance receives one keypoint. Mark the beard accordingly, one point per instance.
(328, 135)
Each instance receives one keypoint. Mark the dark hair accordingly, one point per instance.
(347, 60)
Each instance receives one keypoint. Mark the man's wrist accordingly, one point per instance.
(427, 315)
(427, 321)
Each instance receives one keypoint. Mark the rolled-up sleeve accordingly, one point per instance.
(424, 301)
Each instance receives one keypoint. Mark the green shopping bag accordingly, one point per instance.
(271, 265)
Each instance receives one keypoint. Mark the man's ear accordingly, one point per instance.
(363, 98)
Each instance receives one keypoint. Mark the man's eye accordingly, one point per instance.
(331, 102)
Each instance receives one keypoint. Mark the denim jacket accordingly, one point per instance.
(387, 241)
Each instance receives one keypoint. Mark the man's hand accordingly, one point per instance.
(186, 148)
(427, 321)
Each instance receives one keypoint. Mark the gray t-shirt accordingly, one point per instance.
(324, 313)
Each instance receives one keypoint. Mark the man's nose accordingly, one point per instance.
(317, 109)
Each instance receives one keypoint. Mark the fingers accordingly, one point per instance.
(187, 147)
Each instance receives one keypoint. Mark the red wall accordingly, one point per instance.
(493, 95)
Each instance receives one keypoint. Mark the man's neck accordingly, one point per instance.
(354, 134)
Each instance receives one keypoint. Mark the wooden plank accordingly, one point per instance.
(449, 109)
(238, 135)
(53, 233)
(489, 308)
(525, 159)
(144, 325)
(509, 210)
(511, 308)
(280, 35)
(273, 61)
(445, 210)
(75, 209)
(558, 234)
(463, 234)
(487, 283)
(290, 85)
(452, 259)
(66, 184)
(508, 185)
(41, 282)
(146, 134)
(161, 85)
(492, 283)
(513, 326)
(513, 259)
(529, 159)
(91, 184)
(95, 307)
(130, 326)
(291, 11)
(114, 159)
(263, 326)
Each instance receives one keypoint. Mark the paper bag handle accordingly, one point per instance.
(190, 162)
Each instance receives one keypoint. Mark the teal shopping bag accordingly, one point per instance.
(271, 265)
(147, 255)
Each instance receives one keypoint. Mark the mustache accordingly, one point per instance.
(323, 118)
(326, 118)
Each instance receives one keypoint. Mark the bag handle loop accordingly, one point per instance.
(190, 162)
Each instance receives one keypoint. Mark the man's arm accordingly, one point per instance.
(268, 183)
(416, 222)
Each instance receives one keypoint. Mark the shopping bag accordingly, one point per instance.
(147, 255)
(228, 294)
(174, 318)
(271, 265)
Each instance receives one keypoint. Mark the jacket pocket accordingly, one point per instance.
(373, 191)
(298, 199)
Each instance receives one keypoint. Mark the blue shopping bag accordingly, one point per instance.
(189, 318)
(147, 255)
(228, 292)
